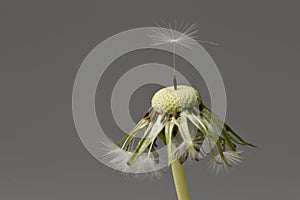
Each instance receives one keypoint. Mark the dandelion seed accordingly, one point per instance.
(182, 35)
(117, 159)
(218, 164)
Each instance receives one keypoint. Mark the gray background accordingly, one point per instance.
(42, 45)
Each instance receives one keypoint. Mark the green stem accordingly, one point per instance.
(180, 181)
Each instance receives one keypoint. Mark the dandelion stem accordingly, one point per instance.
(180, 181)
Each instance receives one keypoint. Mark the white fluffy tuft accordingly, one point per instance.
(117, 159)
(182, 34)
(217, 164)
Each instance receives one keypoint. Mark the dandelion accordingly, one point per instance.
(180, 119)
(184, 124)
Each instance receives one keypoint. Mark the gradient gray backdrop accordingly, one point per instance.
(42, 44)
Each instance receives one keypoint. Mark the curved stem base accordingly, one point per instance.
(180, 181)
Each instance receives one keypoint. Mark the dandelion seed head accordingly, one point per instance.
(188, 129)
(168, 100)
